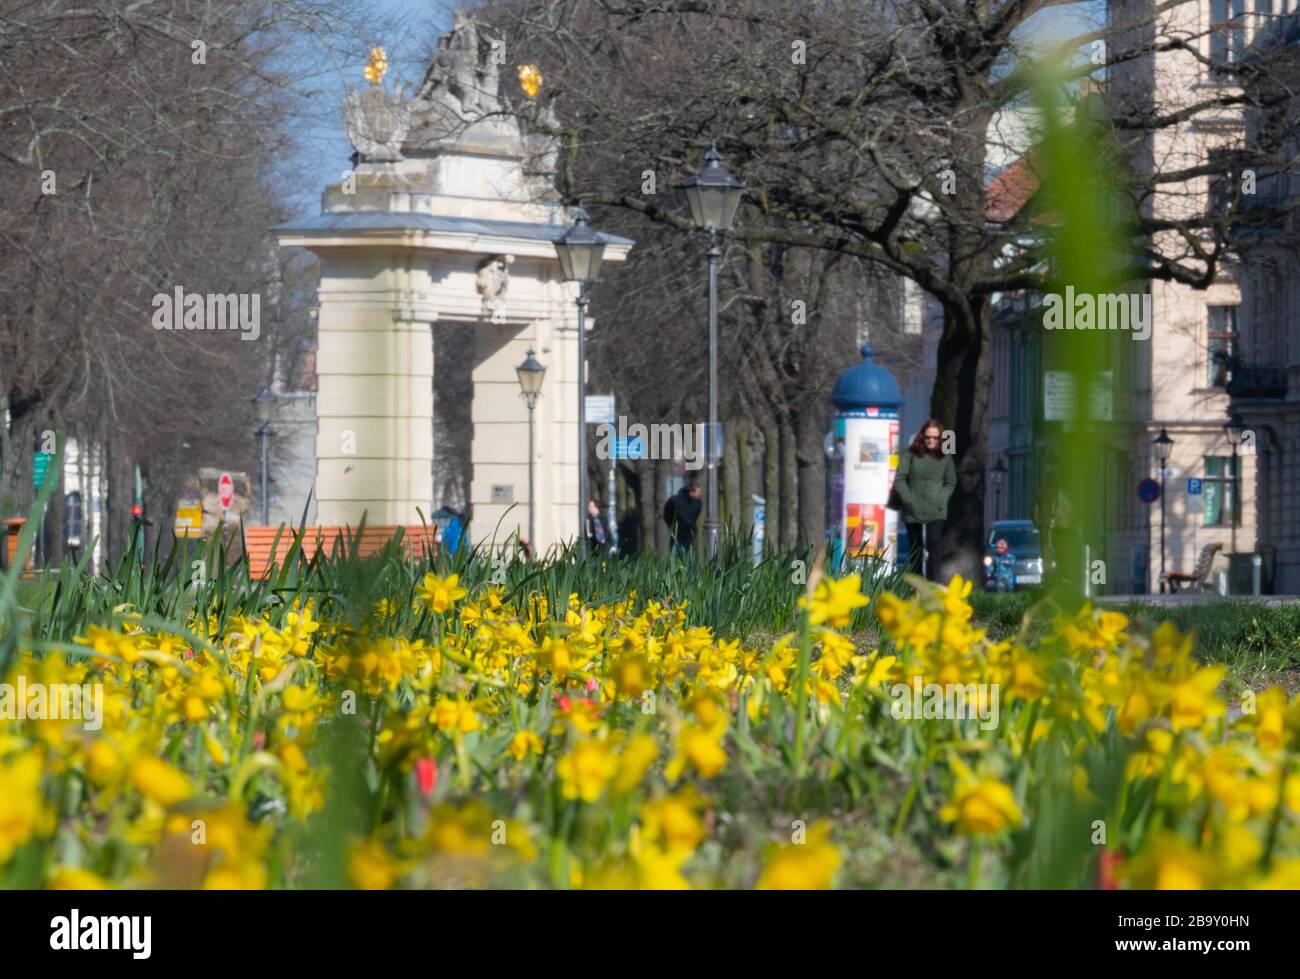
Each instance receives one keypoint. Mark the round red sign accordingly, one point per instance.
(226, 491)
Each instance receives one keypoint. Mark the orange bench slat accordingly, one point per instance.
(258, 540)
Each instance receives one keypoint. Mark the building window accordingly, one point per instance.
(1227, 33)
(1220, 487)
(1221, 344)
(1223, 184)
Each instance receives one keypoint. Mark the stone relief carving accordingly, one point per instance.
(464, 75)
(376, 123)
(493, 281)
(459, 99)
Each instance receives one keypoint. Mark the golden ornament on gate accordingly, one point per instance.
(530, 80)
(376, 66)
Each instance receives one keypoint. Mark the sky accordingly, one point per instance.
(408, 29)
(405, 29)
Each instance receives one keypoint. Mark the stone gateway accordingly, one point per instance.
(453, 225)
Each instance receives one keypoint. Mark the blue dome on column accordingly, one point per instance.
(866, 384)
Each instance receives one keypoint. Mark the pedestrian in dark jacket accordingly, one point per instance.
(597, 533)
(681, 513)
(925, 480)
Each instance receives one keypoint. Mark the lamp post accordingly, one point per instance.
(999, 476)
(580, 251)
(1233, 429)
(714, 195)
(263, 401)
(1164, 447)
(531, 374)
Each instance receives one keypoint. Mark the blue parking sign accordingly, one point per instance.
(628, 448)
(1193, 487)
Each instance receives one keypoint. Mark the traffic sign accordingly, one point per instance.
(629, 448)
(600, 409)
(189, 518)
(40, 467)
(1193, 486)
(226, 491)
(1148, 491)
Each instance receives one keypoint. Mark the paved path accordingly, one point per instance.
(1195, 598)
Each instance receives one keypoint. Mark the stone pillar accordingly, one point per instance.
(374, 437)
(499, 488)
(500, 416)
(563, 416)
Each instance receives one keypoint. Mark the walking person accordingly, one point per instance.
(682, 513)
(1003, 566)
(597, 532)
(925, 480)
(1053, 514)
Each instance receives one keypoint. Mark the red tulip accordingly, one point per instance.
(1107, 877)
(426, 770)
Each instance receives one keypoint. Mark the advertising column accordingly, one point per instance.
(865, 450)
(868, 527)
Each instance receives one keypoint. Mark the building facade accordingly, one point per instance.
(1179, 381)
(1265, 381)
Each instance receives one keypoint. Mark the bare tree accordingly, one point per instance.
(864, 130)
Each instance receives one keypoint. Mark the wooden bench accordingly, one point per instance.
(1200, 575)
(11, 528)
(417, 541)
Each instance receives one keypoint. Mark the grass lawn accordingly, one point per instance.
(1260, 644)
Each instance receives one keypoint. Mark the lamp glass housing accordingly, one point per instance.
(714, 195)
(1164, 446)
(264, 400)
(580, 250)
(531, 373)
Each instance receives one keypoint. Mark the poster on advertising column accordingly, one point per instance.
(870, 446)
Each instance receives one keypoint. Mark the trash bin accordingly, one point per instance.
(1243, 578)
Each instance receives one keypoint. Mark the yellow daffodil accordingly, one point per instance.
(22, 807)
(982, 807)
(802, 866)
(586, 770)
(833, 601)
(440, 594)
(701, 748)
(160, 782)
(523, 744)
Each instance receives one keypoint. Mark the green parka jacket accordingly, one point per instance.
(924, 484)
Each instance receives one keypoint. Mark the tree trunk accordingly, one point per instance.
(630, 509)
(16, 477)
(960, 401)
(731, 495)
(789, 484)
(753, 473)
(655, 531)
(772, 486)
(118, 523)
(812, 477)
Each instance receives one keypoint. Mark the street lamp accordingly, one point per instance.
(264, 400)
(714, 195)
(580, 251)
(1164, 448)
(999, 476)
(1233, 428)
(530, 382)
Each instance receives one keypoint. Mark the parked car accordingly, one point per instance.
(1025, 568)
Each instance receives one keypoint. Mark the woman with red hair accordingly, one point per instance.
(925, 480)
